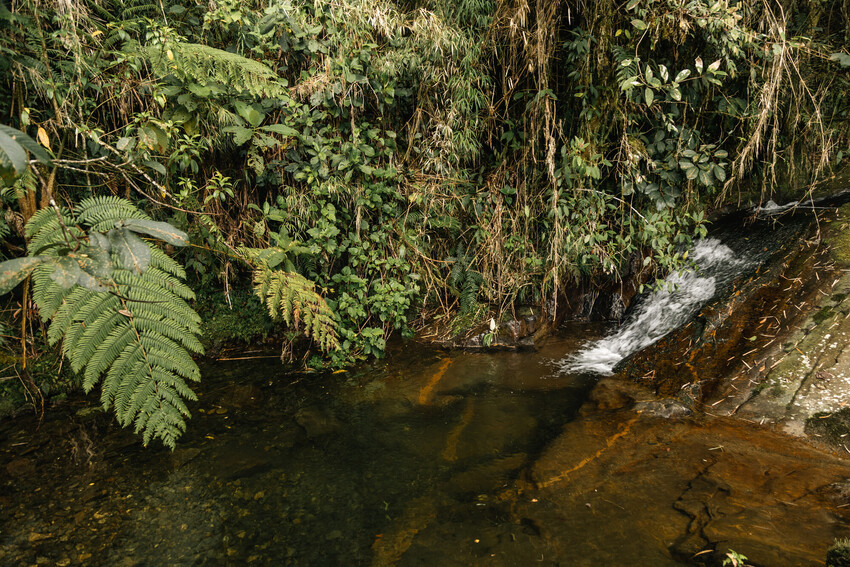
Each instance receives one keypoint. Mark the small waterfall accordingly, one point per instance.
(663, 310)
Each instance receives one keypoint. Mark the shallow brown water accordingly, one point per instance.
(428, 458)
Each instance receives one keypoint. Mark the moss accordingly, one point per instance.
(831, 427)
(838, 237)
(839, 554)
(823, 315)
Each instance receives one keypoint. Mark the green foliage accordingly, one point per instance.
(292, 298)
(14, 146)
(403, 156)
(735, 559)
(119, 308)
(838, 554)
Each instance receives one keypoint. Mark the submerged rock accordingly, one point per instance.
(317, 421)
(687, 487)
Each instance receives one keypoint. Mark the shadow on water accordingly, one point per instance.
(340, 469)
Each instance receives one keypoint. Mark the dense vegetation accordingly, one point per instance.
(371, 162)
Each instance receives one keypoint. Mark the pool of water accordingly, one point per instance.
(276, 468)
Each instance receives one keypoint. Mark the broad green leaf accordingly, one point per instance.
(639, 24)
(98, 240)
(240, 134)
(719, 173)
(26, 142)
(249, 113)
(649, 96)
(685, 164)
(66, 272)
(155, 165)
(722, 154)
(13, 272)
(161, 230)
(87, 281)
(705, 178)
(148, 137)
(95, 260)
(13, 158)
(124, 143)
(683, 74)
(676, 94)
(691, 173)
(281, 129)
(133, 252)
(662, 70)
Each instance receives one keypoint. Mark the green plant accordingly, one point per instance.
(838, 554)
(292, 297)
(735, 559)
(14, 146)
(118, 307)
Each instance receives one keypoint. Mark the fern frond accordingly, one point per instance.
(164, 262)
(101, 213)
(205, 65)
(137, 337)
(293, 298)
(45, 231)
(47, 295)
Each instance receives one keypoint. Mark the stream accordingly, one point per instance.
(430, 458)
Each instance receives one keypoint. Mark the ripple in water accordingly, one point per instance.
(662, 311)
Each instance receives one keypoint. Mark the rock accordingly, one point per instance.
(180, 457)
(242, 396)
(667, 409)
(20, 467)
(660, 490)
(612, 394)
(317, 421)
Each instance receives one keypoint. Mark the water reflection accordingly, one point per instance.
(306, 470)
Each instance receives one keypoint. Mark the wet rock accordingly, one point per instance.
(242, 396)
(612, 394)
(667, 409)
(687, 487)
(20, 467)
(36, 537)
(180, 457)
(317, 421)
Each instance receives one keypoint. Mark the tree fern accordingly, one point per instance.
(119, 307)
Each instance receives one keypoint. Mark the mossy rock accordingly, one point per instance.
(839, 554)
(831, 427)
(836, 233)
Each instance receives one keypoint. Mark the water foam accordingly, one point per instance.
(663, 310)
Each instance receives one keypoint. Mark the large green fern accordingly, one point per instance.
(119, 307)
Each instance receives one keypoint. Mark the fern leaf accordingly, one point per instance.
(102, 213)
(137, 338)
(292, 297)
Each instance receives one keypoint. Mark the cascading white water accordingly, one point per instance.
(662, 311)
